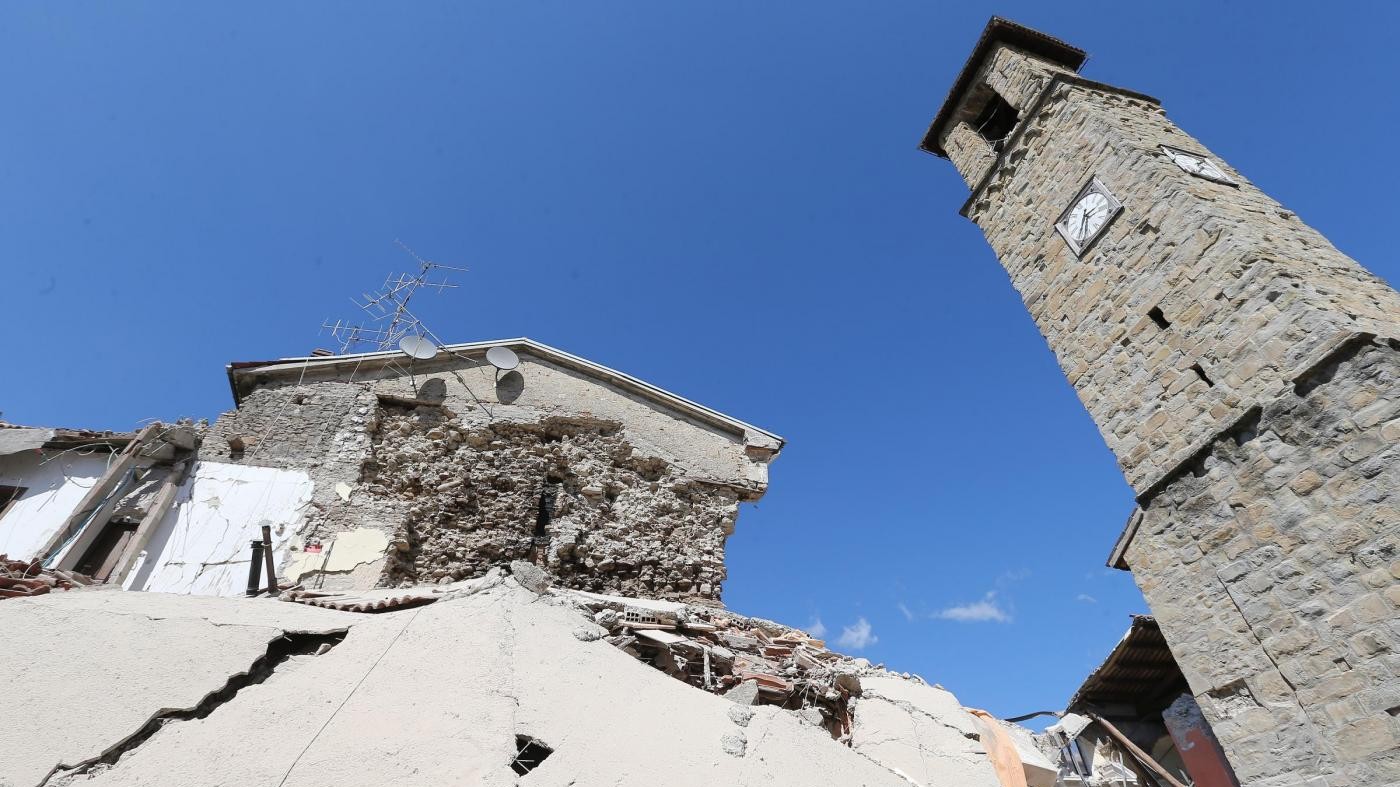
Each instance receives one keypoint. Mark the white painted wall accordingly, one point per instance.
(56, 482)
(201, 547)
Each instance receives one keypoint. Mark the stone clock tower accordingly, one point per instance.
(1246, 374)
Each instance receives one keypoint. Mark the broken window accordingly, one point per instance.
(996, 121)
(529, 753)
(101, 558)
(9, 495)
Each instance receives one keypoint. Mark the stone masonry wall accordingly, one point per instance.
(1268, 529)
(1248, 290)
(458, 470)
(568, 494)
(1273, 562)
(1018, 77)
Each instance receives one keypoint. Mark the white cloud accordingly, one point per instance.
(816, 628)
(1086, 598)
(988, 609)
(857, 636)
(905, 611)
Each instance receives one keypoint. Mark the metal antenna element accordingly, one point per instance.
(390, 319)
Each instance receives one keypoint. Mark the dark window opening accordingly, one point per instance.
(996, 121)
(9, 495)
(1201, 373)
(1159, 318)
(548, 492)
(101, 558)
(529, 753)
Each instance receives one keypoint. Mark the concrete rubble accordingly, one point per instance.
(492, 684)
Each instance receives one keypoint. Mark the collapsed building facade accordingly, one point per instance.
(378, 469)
(1246, 374)
(566, 523)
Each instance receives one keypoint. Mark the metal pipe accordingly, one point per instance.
(267, 557)
(255, 568)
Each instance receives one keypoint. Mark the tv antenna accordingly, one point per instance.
(390, 320)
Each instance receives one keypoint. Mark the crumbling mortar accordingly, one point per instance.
(570, 495)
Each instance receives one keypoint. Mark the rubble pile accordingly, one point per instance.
(569, 495)
(19, 579)
(748, 660)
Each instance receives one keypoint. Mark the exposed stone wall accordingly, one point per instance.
(1273, 565)
(1018, 77)
(570, 495)
(450, 464)
(969, 151)
(1269, 531)
(1248, 290)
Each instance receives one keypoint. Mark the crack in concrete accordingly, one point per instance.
(910, 707)
(282, 647)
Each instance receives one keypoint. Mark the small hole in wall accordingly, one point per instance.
(529, 753)
(546, 508)
(1201, 373)
(1395, 711)
(299, 398)
(1158, 318)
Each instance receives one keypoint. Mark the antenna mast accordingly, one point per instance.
(390, 319)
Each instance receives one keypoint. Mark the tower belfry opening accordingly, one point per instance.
(996, 121)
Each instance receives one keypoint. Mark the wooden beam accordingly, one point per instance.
(1141, 756)
(154, 515)
(97, 497)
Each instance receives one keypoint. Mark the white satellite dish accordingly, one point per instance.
(417, 347)
(502, 358)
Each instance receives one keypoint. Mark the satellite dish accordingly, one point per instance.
(417, 347)
(502, 358)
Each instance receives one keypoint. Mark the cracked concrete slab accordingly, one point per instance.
(437, 694)
(103, 663)
(920, 732)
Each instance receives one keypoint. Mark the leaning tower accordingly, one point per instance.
(1246, 374)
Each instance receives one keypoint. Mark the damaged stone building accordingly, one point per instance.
(501, 564)
(1246, 374)
(379, 469)
(610, 483)
(498, 563)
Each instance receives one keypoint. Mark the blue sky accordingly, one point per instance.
(723, 198)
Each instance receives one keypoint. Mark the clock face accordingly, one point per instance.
(1198, 165)
(1088, 215)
